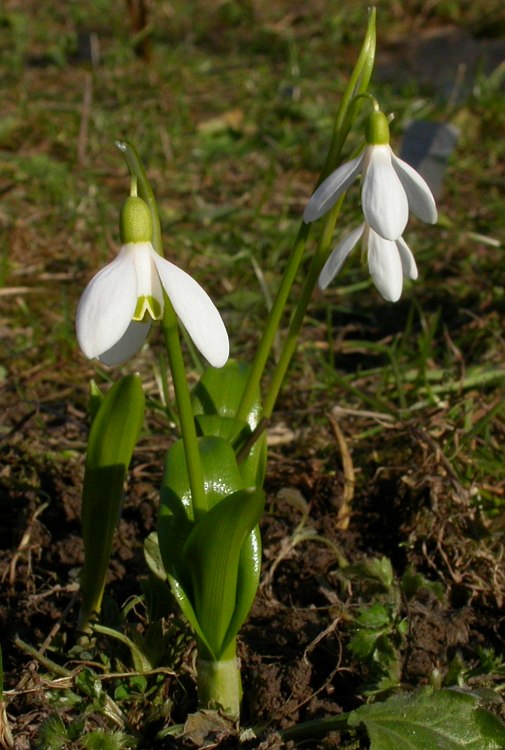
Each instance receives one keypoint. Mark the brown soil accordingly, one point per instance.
(295, 646)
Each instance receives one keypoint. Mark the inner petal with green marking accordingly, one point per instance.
(149, 290)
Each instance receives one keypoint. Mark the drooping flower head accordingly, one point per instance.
(390, 186)
(389, 262)
(117, 307)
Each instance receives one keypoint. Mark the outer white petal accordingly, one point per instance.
(385, 266)
(128, 345)
(196, 312)
(107, 305)
(384, 200)
(408, 262)
(331, 189)
(421, 201)
(337, 257)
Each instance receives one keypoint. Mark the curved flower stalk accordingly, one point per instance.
(389, 261)
(116, 309)
(390, 186)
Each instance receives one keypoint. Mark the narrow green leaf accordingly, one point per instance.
(113, 436)
(212, 554)
(140, 659)
(95, 400)
(248, 579)
(427, 719)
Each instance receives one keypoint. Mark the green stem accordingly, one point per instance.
(274, 319)
(290, 342)
(170, 330)
(219, 682)
(358, 84)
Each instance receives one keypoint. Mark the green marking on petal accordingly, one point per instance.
(147, 305)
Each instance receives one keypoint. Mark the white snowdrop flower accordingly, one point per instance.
(389, 261)
(390, 186)
(117, 307)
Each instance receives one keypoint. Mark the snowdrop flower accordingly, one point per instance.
(390, 186)
(117, 307)
(388, 261)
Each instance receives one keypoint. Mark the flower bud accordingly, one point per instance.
(135, 223)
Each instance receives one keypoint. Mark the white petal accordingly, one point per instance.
(421, 201)
(331, 189)
(107, 305)
(408, 262)
(128, 345)
(384, 200)
(196, 312)
(385, 266)
(337, 258)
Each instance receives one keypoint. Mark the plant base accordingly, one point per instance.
(220, 686)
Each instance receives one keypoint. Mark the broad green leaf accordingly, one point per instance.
(430, 719)
(175, 523)
(113, 436)
(228, 428)
(215, 399)
(219, 466)
(175, 520)
(212, 555)
(219, 391)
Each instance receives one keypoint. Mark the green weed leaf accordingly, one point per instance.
(53, 734)
(101, 739)
(428, 719)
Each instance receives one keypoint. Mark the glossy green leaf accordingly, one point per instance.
(215, 399)
(222, 478)
(113, 436)
(175, 519)
(427, 719)
(219, 391)
(212, 555)
(248, 580)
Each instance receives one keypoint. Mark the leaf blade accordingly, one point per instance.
(445, 719)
